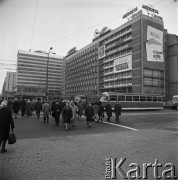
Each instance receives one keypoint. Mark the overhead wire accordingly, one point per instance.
(158, 2)
(69, 35)
(77, 32)
(34, 23)
(167, 6)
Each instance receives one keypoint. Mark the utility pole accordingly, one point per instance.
(46, 94)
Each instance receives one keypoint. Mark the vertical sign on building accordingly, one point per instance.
(154, 45)
(101, 51)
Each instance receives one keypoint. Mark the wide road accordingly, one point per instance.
(47, 152)
(31, 127)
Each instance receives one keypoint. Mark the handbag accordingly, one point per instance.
(12, 138)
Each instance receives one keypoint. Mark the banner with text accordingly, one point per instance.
(123, 64)
(154, 45)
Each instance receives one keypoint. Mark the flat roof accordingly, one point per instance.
(41, 54)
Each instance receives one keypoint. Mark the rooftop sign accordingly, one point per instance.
(130, 12)
(99, 33)
(150, 10)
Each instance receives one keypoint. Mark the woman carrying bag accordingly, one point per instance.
(6, 122)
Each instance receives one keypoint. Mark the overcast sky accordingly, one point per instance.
(63, 24)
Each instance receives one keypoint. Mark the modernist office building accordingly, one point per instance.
(128, 59)
(32, 71)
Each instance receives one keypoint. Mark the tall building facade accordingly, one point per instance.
(133, 58)
(10, 83)
(128, 59)
(172, 60)
(81, 76)
(33, 71)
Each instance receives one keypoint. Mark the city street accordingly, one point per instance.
(45, 151)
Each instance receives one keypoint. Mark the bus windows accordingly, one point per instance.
(155, 99)
(159, 99)
(142, 98)
(128, 98)
(121, 98)
(136, 98)
(149, 98)
(113, 98)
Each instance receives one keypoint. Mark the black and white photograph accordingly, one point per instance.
(88, 89)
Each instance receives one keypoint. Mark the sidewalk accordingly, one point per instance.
(82, 157)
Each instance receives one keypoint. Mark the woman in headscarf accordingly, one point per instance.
(6, 121)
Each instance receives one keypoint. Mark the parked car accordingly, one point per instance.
(171, 104)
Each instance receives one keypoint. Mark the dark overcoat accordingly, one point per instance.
(67, 114)
(101, 110)
(16, 107)
(28, 106)
(6, 121)
(38, 107)
(89, 113)
(80, 108)
(23, 105)
(57, 109)
(108, 110)
(117, 109)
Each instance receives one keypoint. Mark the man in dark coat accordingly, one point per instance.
(100, 112)
(28, 108)
(9, 103)
(89, 113)
(22, 106)
(108, 110)
(117, 110)
(57, 109)
(16, 107)
(67, 115)
(6, 121)
(38, 107)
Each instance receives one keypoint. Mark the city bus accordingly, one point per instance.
(133, 101)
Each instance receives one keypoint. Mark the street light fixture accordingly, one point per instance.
(46, 94)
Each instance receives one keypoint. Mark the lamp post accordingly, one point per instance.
(46, 94)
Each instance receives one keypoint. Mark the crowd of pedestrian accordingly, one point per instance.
(65, 112)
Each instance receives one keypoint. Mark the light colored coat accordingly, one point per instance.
(46, 109)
